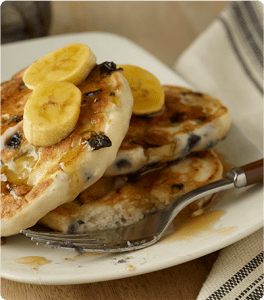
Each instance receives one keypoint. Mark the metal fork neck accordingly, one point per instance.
(238, 176)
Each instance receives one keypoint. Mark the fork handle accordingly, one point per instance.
(247, 174)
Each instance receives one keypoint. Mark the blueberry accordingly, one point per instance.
(74, 226)
(123, 164)
(193, 141)
(177, 186)
(98, 141)
(107, 68)
(177, 117)
(14, 140)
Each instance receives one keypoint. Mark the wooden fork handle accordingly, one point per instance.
(247, 174)
(253, 172)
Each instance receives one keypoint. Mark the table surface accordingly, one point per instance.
(182, 282)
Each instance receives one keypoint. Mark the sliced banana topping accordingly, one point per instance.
(71, 63)
(147, 90)
(51, 112)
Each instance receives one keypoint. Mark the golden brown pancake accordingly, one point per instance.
(190, 121)
(123, 200)
(35, 180)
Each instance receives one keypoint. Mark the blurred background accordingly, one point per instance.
(164, 28)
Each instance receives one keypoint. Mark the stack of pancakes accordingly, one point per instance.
(114, 168)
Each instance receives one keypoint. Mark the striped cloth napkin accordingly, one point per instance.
(226, 61)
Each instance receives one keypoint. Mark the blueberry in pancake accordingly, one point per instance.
(189, 121)
(36, 179)
(125, 199)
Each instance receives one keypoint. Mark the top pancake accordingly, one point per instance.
(36, 180)
(190, 121)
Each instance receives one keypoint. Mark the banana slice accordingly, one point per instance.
(51, 112)
(71, 63)
(147, 91)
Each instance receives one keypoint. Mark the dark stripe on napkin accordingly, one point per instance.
(255, 21)
(230, 36)
(237, 278)
(253, 285)
(257, 294)
(246, 32)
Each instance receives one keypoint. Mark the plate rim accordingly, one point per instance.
(28, 279)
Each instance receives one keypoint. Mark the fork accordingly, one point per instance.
(153, 226)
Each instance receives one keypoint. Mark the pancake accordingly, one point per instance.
(35, 180)
(123, 200)
(190, 121)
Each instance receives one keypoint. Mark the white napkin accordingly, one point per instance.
(237, 272)
(226, 61)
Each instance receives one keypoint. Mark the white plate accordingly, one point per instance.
(237, 214)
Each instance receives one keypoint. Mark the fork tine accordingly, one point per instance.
(83, 243)
(31, 233)
(75, 242)
(80, 250)
(97, 247)
(69, 243)
(58, 237)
